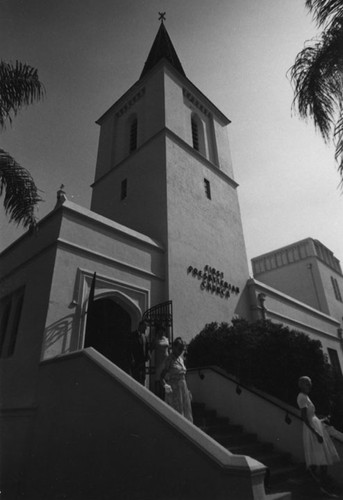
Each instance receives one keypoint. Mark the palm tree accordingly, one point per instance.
(19, 86)
(317, 75)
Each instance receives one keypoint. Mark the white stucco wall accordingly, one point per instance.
(202, 232)
(144, 208)
(256, 411)
(105, 420)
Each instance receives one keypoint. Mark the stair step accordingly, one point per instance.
(282, 473)
(223, 428)
(265, 455)
(299, 484)
(196, 405)
(250, 448)
(286, 495)
(228, 440)
(272, 459)
(212, 423)
(301, 488)
(204, 413)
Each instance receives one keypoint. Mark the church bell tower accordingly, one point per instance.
(164, 169)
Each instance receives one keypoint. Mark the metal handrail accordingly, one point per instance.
(241, 386)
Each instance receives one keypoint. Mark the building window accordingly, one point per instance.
(207, 189)
(334, 361)
(123, 189)
(10, 311)
(133, 134)
(336, 289)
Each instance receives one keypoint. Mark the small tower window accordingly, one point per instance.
(133, 135)
(195, 134)
(336, 289)
(207, 188)
(198, 134)
(123, 189)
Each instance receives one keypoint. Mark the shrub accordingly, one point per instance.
(268, 356)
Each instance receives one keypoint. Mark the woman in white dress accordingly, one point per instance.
(161, 346)
(173, 379)
(319, 450)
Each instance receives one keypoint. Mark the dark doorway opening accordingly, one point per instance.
(108, 326)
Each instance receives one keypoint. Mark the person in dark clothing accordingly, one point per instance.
(139, 352)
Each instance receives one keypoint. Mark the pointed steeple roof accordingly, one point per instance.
(162, 48)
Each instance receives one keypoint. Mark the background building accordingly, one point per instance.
(300, 285)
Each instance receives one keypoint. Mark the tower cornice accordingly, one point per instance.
(189, 89)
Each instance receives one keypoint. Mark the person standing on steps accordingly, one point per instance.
(173, 379)
(138, 352)
(319, 450)
(161, 347)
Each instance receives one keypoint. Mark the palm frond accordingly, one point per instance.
(338, 138)
(325, 12)
(21, 193)
(317, 79)
(19, 86)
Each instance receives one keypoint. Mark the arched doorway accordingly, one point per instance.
(108, 326)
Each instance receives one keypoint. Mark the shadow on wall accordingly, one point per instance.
(243, 305)
(100, 434)
(58, 338)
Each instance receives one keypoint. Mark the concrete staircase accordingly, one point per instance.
(284, 475)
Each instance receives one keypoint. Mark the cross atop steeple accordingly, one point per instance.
(162, 16)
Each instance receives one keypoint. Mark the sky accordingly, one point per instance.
(237, 52)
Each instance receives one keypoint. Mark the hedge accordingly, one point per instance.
(270, 357)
